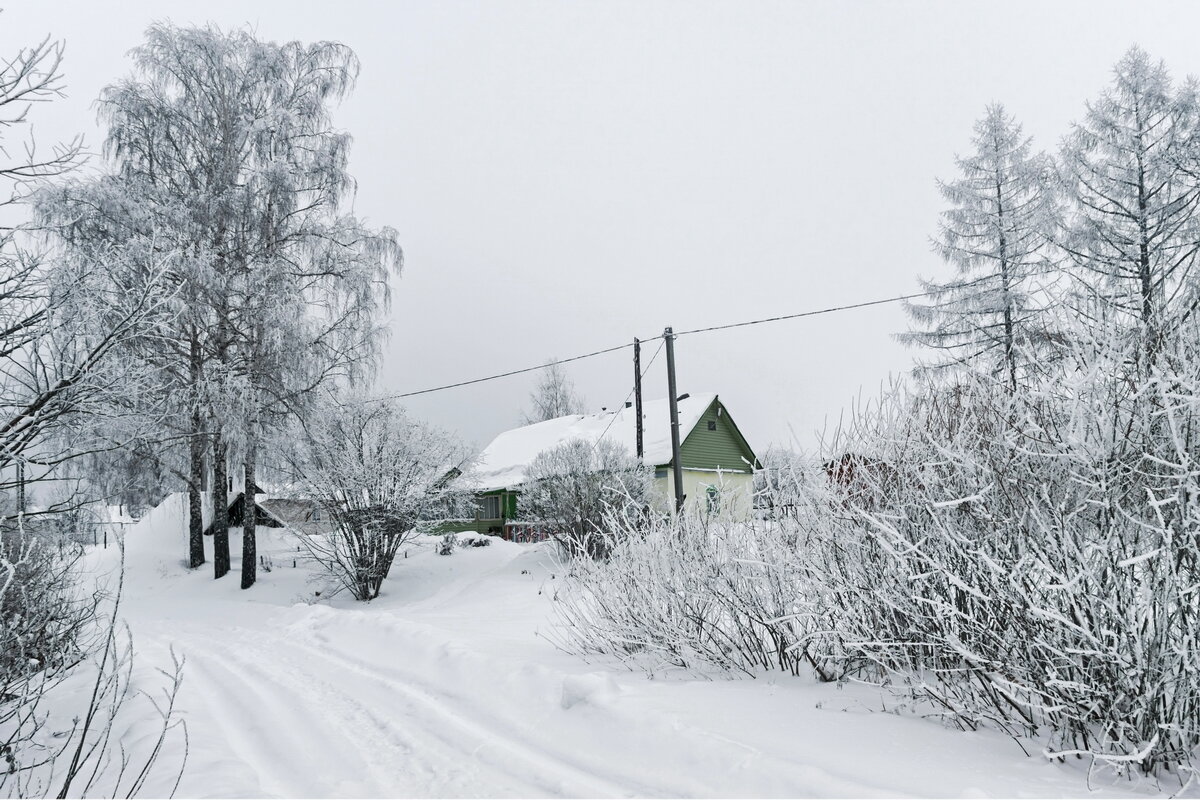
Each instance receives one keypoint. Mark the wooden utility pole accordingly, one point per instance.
(637, 394)
(669, 338)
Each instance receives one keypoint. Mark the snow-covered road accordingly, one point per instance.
(444, 687)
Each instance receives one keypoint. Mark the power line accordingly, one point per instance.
(805, 313)
(626, 400)
(506, 374)
(614, 349)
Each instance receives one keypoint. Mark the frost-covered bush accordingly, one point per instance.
(693, 592)
(1035, 562)
(586, 493)
(1028, 561)
(52, 632)
(381, 478)
(42, 615)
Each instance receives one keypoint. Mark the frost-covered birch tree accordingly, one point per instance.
(1133, 190)
(309, 280)
(223, 146)
(996, 234)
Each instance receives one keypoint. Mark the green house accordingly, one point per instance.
(716, 460)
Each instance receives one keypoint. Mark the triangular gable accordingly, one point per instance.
(725, 448)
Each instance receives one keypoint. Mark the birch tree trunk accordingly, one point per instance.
(249, 544)
(195, 508)
(195, 467)
(220, 498)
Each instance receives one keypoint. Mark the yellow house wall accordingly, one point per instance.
(736, 488)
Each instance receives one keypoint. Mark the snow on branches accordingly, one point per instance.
(382, 478)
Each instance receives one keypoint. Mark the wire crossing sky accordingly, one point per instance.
(615, 348)
(562, 174)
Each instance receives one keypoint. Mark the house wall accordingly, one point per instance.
(736, 490)
(508, 510)
(718, 458)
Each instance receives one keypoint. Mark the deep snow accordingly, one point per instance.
(445, 687)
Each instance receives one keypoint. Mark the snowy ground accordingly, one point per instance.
(443, 687)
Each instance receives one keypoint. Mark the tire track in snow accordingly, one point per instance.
(539, 748)
(246, 745)
(268, 693)
(302, 735)
(533, 764)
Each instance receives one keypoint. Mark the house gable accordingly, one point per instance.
(715, 443)
(263, 517)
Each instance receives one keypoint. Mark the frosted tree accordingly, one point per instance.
(308, 281)
(1130, 177)
(63, 324)
(553, 397)
(223, 149)
(160, 416)
(62, 321)
(996, 235)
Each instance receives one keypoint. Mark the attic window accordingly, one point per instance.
(712, 424)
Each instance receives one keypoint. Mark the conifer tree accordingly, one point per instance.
(1131, 182)
(996, 235)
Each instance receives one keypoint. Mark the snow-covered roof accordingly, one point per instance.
(502, 465)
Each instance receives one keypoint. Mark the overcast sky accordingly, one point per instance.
(566, 176)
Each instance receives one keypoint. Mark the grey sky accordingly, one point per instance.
(565, 176)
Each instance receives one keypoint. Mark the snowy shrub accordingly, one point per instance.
(1033, 564)
(1037, 562)
(43, 617)
(586, 493)
(380, 478)
(52, 631)
(445, 546)
(1028, 561)
(690, 592)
